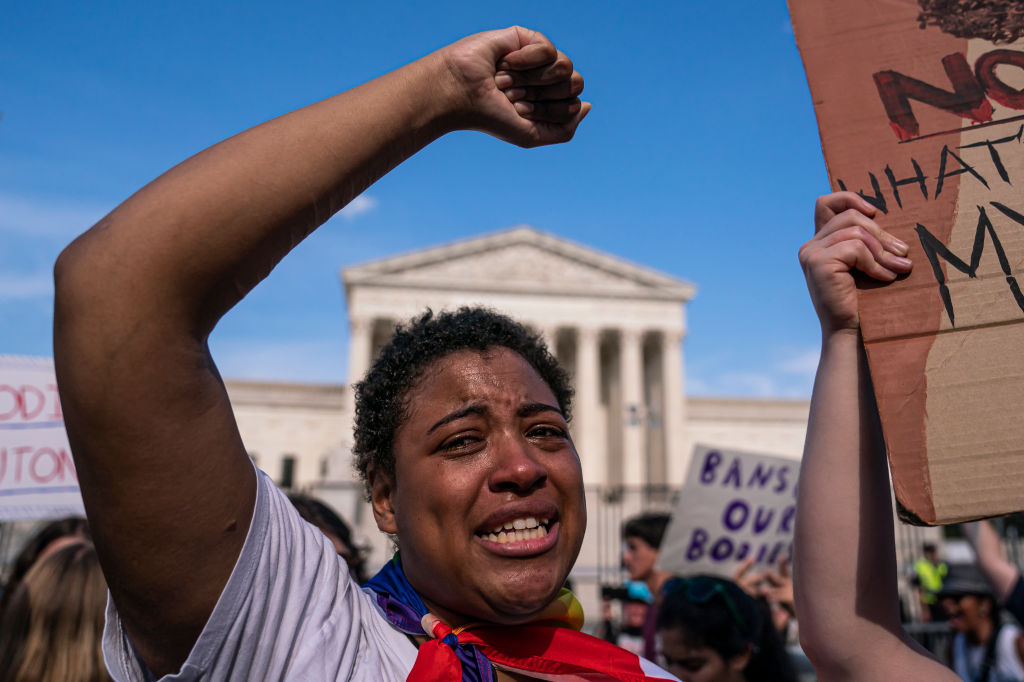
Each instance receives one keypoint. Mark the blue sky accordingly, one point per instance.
(701, 159)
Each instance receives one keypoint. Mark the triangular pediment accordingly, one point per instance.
(522, 259)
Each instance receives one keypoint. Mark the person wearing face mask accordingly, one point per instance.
(713, 631)
(461, 433)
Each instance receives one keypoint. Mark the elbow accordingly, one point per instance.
(73, 275)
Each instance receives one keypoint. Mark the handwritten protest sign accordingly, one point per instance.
(734, 505)
(37, 476)
(920, 105)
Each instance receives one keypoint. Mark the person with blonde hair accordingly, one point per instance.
(52, 627)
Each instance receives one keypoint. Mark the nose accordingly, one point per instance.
(516, 466)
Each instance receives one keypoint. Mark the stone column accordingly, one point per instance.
(359, 341)
(674, 402)
(634, 454)
(588, 427)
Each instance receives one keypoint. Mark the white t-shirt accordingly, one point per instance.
(967, 659)
(289, 611)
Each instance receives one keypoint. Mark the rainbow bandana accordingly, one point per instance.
(551, 647)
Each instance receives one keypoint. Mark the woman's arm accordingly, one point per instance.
(166, 481)
(845, 562)
(1001, 573)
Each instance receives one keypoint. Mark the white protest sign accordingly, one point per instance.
(734, 505)
(37, 476)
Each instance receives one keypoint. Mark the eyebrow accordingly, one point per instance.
(457, 414)
(527, 410)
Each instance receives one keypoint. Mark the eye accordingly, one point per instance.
(459, 442)
(546, 431)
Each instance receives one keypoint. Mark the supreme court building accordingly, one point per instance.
(619, 329)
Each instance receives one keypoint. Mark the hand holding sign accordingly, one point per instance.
(845, 238)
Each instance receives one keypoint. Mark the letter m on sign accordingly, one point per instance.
(967, 99)
(935, 250)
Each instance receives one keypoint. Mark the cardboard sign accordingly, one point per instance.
(733, 505)
(920, 106)
(37, 476)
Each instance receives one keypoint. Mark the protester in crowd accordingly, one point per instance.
(845, 559)
(712, 631)
(641, 542)
(775, 589)
(461, 424)
(337, 531)
(929, 573)
(984, 648)
(1003, 576)
(628, 633)
(49, 538)
(50, 631)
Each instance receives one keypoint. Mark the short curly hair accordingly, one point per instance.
(380, 398)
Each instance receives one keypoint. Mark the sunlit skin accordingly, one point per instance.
(483, 441)
(639, 558)
(697, 663)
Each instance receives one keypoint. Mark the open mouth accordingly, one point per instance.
(518, 530)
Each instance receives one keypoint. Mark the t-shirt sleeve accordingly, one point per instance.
(290, 610)
(1008, 661)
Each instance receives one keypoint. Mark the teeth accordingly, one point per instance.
(503, 537)
(517, 530)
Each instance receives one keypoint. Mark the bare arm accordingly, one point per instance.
(1000, 572)
(166, 481)
(845, 562)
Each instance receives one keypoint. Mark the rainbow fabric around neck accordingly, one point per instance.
(550, 647)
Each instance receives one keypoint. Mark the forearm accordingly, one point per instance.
(845, 567)
(1000, 572)
(195, 240)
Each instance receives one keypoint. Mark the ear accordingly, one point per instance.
(382, 494)
(739, 662)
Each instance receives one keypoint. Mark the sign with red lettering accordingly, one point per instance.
(37, 476)
(733, 505)
(920, 106)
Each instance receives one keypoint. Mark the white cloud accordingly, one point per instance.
(791, 375)
(362, 204)
(313, 360)
(42, 218)
(804, 363)
(19, 287)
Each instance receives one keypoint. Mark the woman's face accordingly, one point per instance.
(483, 446)
(639, 558)
(693, 663)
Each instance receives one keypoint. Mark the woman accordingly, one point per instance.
(713, 631)
(46, 540)
(844, 560)
(50, 631)
(461, 427)
(984, 649)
